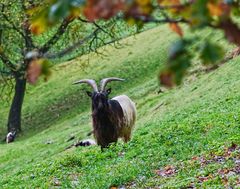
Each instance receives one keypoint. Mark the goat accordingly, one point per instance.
(87, 142)
(10, 137)
(112, 118)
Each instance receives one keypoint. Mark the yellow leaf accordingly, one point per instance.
(1, 49)
(34, 10)
(174, 5)
(169, 2)
(74, 13)
(131, 21)
(146, 9)
(143, 2)
(39, 24)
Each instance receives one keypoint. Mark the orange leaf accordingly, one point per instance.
(39, 24)
(167, 79)
(220, 9)
(214, 9)
(232, 31)
(176, 28)
(34, 71)
(103, 9)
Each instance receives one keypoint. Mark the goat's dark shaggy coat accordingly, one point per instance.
(106, 122)
(112, 119)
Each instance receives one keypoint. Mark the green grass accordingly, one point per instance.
(197, 119)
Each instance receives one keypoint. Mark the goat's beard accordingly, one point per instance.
(100, 106)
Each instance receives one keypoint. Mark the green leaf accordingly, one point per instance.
(77, 3)
(177, 48)
(59, 10)
(211, 53)
(200, 14)
(62, 8)
(179, 60)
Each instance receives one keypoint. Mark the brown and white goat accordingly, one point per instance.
(112, 118)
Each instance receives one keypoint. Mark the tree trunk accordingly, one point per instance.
(14, 117)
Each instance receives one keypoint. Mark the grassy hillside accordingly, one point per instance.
(180, 136)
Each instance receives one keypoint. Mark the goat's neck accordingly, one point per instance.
(104, 112)
(102, 116)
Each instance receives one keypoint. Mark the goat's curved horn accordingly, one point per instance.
(105, 81)
(90, 82)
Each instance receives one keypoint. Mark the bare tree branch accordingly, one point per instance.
(4, 26)
(70, 48)
(6, 86)
(18, 30)
(101, 28)
(59, 33)
(165, 20)
(7, 62)
(26, 29)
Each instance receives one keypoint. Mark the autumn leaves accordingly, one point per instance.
(197, 14)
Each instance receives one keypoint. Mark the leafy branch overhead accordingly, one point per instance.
(25, 57)
(196, 14)
(21, 19)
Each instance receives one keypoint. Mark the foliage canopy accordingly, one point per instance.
(196, 14)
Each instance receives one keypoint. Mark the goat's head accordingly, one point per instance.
(99, 97)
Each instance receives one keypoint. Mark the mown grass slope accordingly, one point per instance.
(175, 130)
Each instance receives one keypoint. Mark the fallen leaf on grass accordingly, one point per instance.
(223, 171)
(195, 158)
(119, 187)
(204, 161)
(225, 181)
(237, 169)
(191, 186)
(219, 159)
(202, 179)
(166, 172)
(232, 147)
(56, 182)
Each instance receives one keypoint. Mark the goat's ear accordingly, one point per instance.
(89, 93)
(109, 91)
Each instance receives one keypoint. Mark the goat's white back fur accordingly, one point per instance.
(129, 110)
(9, 135)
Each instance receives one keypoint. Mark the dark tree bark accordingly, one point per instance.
(14, 117)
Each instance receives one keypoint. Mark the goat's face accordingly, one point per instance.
(99, 99)
(99, 95)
